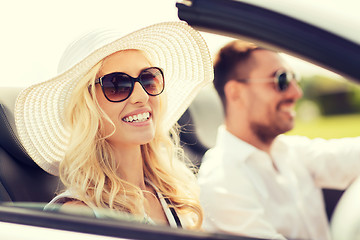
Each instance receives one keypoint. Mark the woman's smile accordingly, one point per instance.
(140, 117)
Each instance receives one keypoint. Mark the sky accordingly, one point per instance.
(36, 32)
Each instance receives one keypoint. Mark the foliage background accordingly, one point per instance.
(330, 108)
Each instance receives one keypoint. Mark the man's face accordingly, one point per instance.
(269, 111)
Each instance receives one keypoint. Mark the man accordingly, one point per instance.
(257, 182)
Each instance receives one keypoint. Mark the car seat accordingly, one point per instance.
(345, 222)
(21, 180)
(199, 123)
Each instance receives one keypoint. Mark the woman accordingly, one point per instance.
(104, 123)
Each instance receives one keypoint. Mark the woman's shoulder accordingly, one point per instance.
(74, 202)
(64, 198)
(68, 202)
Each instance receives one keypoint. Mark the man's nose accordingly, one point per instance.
(295, 89)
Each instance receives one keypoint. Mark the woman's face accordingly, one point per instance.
(138, 106)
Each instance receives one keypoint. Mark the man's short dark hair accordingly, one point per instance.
(231, 62)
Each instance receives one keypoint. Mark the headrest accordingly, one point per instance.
(207, 115)
(8, 135)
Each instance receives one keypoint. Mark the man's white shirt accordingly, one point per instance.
(243, 193)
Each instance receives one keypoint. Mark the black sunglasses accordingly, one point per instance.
(118, 86)
(282, 79)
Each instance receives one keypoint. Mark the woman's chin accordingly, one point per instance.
(143, 138)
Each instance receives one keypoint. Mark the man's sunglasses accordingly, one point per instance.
(282, 79)
(118, 86)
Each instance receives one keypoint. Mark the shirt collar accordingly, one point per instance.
(232, 144)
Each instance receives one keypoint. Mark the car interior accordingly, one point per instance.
(25, 188)
(22, 180)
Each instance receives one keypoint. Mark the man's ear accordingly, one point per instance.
(232, 90)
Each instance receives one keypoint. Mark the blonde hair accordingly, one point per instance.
(89, 168)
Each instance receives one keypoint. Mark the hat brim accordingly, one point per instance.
(174, 46)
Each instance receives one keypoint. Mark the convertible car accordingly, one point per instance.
(307, 30)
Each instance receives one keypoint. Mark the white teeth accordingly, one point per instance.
(289, 109)
(141, 117)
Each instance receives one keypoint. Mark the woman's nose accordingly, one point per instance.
(138, 95)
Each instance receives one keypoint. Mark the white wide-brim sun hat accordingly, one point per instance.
(173, 46)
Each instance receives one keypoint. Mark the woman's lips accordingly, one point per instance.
(137, 118)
